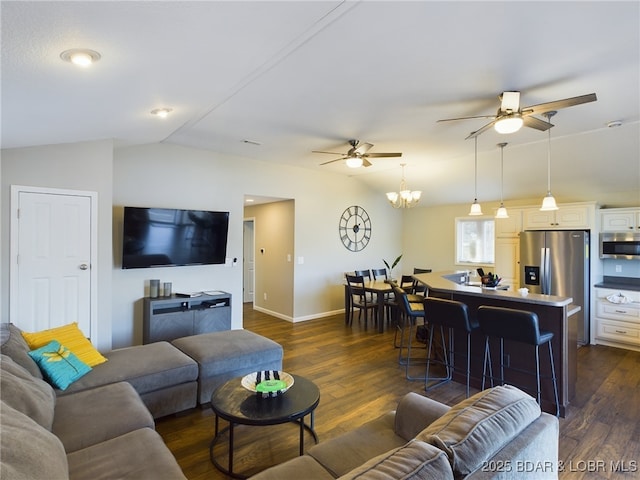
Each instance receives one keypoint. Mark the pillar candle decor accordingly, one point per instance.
(154, 288)
(167, 289)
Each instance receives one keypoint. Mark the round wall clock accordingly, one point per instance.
(355, 228)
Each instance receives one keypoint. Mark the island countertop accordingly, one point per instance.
(450, 282)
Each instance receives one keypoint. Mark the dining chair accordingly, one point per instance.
(360, 299)
(418, 288)
(363, 273)
(379, 273)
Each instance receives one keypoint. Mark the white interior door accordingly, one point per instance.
(51, 260)
(248, 264)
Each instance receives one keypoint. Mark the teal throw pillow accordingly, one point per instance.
(59, 364)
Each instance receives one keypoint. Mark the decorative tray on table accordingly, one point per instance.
(267, 383)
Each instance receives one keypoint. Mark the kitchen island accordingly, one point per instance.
(555, 314)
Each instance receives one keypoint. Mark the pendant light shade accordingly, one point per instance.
(476, 209)
(548, 202)
(502, 211)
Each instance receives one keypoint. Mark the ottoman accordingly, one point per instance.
(224, 355)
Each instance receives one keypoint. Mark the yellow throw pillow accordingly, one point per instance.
(71, 337)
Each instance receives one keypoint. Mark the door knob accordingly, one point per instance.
(83, 266)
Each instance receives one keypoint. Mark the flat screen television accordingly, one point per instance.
(161, 237)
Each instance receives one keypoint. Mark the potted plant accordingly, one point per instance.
(390, 268)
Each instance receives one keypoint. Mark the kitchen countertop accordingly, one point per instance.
(614, 283)
(443, 282)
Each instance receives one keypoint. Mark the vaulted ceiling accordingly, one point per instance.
(274, 81)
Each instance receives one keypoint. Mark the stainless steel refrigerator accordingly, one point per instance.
(556, 262)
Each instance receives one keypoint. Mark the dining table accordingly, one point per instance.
(378, 287)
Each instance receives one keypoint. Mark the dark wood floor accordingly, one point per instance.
(359, 378)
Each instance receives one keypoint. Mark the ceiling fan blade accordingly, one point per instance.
(362, 148)
(481, 130)
(465, 118)
(331, 153)
(382, 155)
(336, 160)
(510, 101)
(558, 104)
(366, 163)
(536, 123)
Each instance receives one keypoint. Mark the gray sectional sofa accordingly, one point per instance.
(497, 433)
(102, 426)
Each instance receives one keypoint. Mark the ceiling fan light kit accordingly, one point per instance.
(548, 202)
(509, 124)
(405, 198)
(354, 162)
(476, 209)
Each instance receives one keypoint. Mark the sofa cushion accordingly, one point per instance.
(478, 427)
(137, 455)
(71, 337)
(147, 367)
(342, 454)
(15, 346)
(59, 365)
(413, 461)
(114, 410)
(29, 395)
(304, 467)
(29, 451)
(415, 412)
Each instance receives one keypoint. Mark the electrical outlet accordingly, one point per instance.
(265, 295)
(618, 268)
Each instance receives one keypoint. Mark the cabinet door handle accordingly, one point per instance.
(624, 332)
(621, 311)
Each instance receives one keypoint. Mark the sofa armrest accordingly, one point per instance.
(415, 413)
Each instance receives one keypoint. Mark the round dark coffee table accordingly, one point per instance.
(232, 402)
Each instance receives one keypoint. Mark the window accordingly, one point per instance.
(475, 240)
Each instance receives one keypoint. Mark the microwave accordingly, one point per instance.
(620, 245)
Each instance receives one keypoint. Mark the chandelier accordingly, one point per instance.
(405, 198)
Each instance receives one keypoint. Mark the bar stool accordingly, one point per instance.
(518, 326)
(410, 313)
(451, 315)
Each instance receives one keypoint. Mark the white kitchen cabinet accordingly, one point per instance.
(618, 324)
(507, 261)
(620, 219)
(509, 227)
(566, 217)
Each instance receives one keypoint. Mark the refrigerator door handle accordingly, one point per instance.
(545, 274)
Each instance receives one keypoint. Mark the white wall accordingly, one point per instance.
(82, 166)
(178, 177)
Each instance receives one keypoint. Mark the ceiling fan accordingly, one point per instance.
(511, 116)
(357, 155)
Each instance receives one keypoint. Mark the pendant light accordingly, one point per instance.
(476, 209)
(548, 202)
(502, 211)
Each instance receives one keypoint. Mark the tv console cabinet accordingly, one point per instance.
(168, 318)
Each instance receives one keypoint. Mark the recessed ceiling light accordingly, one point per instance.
(80, 56)
(249, 200)
(161, 112)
